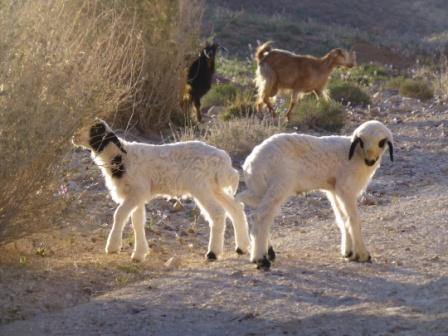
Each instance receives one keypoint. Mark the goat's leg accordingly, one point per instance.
(268, 103)
(197, 107)
(216, 218)
(349, 208)
(346, 242)
(121, 215)
(140, 243)
(322, 94)
(235, 211)
(292, 103)
(263, 219)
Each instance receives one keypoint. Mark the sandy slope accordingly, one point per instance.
(310, 290)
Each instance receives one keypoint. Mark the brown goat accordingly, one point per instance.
(283, 70)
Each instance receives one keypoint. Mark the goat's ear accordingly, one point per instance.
(391, 150)
(353, 147)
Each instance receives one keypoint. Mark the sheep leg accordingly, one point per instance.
(235, 211)
(264, 217)
(141, 249)
(353, 225)
(216, 217)
(292, 103)
(121, 216)
(346, 243)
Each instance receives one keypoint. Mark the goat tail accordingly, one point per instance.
(261, 51)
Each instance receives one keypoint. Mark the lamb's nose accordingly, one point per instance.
(369, 162)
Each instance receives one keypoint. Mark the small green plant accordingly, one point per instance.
(367, 74)
(319, 113)
(41, 251)
(122, 279)
(220, 94)
(394, 82)
(23, 261)
(129, 268)
(347, 92)
(416, 88)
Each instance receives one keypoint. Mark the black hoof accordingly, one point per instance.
(263, 264)
(211, 256)
(348, 255)
(239, 251)
(271, 254)
(357, 259)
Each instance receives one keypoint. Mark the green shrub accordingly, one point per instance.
(346, 92)
(242, 106)
(220, 94)
(365, 74)
(319, 114)
(416, 88)
(394, 82)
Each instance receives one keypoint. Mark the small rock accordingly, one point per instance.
(172, 262)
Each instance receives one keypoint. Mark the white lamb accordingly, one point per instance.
(136, 173)
(287, 164)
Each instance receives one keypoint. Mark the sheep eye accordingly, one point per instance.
(382, 143)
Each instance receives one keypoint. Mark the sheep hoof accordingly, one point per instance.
(239, 251)
(347, 254)
(263, 264)
(271, 253)
(358, 258)
(211, 256)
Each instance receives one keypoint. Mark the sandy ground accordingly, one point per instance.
(74, 289)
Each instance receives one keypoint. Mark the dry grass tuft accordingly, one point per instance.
(237, 137)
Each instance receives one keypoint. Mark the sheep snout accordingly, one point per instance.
(370, 163)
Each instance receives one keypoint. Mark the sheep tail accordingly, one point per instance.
(228, 180)
(261, 51)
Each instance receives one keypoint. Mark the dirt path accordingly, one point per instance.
(310, 290)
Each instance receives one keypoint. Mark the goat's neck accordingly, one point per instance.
(328, 63)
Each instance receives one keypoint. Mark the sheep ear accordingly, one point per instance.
(391, 150)
(352, 147)
(117, 142)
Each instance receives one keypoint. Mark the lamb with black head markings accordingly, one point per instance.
(288, 164)
(137, 172)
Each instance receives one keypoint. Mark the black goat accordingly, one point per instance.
(200, 74)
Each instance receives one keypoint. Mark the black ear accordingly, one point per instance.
(352, 147)
(391, 150)
(117, 142)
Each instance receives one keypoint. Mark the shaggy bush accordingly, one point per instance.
(416, 88)
(346, 92)
(63, 62)
(319, 114)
